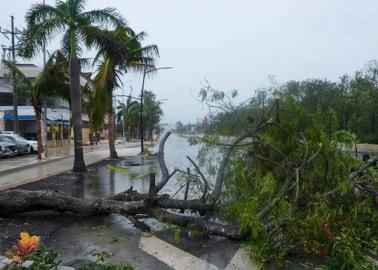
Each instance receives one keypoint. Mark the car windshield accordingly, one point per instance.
(19, 137)
(4, 139)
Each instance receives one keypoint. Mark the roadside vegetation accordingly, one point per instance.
(291, 182)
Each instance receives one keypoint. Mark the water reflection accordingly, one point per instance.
(101, 181)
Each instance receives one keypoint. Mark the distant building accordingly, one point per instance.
(58, 112)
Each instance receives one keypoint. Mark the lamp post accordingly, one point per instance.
(261, 95)
(141, 103)
(123, 117)
(45, 101)
(277, 96)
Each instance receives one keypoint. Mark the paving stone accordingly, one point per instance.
(62, 267)
(6, 260)
(3, 266)
(78, 263)
(27, 264)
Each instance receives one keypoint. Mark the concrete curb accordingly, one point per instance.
(5, 262)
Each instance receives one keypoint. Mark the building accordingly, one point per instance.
(58, 112)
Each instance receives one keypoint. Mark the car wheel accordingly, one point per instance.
(32, 150)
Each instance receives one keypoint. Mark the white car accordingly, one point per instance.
(33, 145)
(7, 148)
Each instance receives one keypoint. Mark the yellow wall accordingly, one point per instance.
(86, 136)
(85, 132)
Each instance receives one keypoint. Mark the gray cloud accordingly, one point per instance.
(237, 44)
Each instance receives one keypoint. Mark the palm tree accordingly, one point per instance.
(54, 73)
(109, 72)
(80, 28)
(152, 113)
(129, 113)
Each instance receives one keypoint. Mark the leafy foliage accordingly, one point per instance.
(290, 185)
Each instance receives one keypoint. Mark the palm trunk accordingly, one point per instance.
(112, 150)
(77, 122)
(38, 118)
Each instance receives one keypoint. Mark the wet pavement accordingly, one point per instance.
(54, 153)
(75, 236)
(26, 174)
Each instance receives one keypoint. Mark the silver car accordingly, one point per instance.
(22, 146)
(33, 145)
(7, 148)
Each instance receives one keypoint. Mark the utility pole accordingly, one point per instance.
(45, 101)
(15, 113)
(141, 115)
(123, 116)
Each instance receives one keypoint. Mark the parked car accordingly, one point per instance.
(33, 145)
(7, 148)
(22, 146)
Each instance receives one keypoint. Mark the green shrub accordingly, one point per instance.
(320, 216)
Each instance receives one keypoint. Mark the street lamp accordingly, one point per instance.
(145, 71)
(261, 95)
(277, 96)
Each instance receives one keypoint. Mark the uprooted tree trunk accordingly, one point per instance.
(136, 206)
(201, 211)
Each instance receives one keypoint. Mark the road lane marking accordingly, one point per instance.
(173, 256)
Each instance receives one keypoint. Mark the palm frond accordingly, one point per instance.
(36, 35)
(40, 12)
(15, 71)
(102, 40)
(105, 17)
(106, 79)
(76, 7)
(54, 77)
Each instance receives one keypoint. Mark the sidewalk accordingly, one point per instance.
(14, 163)
(21, 170)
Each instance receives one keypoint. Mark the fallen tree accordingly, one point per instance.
(198, 213)
(136, 206)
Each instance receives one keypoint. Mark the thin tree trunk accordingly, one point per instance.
(112, 150)
(69, 131)
(38, 118)
(77, 122)
(150, 134)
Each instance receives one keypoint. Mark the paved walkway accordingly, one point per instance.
(30, 169)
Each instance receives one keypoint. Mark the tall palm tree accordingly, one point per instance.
(51, 81)
(80, 28)
(110, 69)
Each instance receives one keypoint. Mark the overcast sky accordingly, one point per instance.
(238, 44)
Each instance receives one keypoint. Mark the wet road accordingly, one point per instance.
(75, 236)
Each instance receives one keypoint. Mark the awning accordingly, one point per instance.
(26, 113)
(8, 115)
(54, 116)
